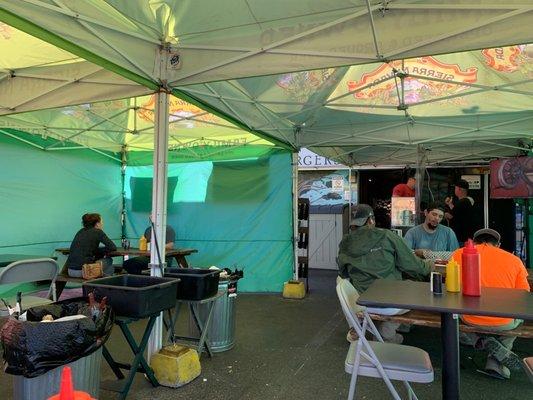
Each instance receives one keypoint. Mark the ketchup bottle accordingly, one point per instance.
(470, 270)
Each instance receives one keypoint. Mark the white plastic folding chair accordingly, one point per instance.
(41, 269)
(377, 359)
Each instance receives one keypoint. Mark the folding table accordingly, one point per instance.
(139, 363)
(496, 302)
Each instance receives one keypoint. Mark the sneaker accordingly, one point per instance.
(404, 328)
(502, 354)
(352, 335)
(397, 339)
(496, 369)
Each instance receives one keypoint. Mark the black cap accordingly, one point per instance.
(488, 231)
(360, 214)
(462, 184)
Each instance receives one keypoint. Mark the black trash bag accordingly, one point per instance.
(32, 348)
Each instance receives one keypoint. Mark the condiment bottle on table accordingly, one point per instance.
(453, 276)
(470, 270)
(143, 243)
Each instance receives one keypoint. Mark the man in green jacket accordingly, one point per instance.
(369, 253)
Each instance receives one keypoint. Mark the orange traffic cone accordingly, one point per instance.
(66, 388)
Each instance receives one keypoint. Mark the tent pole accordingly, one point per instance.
(123, 193)
(159, 205)
(295, 212)
(159, 192)
(349, 193)
(486, 201)
(420, 171)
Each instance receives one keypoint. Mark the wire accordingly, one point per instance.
(429, 188)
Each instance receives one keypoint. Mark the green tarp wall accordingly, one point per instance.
(236, 213)
(44, 195)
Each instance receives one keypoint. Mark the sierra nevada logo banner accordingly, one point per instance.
(427, 78)
(511, 59)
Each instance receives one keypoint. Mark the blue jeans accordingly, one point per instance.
(506, 341)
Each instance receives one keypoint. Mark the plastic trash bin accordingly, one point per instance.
(134, 296)
(221, 332)
(85, 376)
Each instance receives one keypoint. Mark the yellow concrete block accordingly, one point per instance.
(294, 290)
(175, 365)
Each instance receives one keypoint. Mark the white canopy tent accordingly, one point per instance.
(188, 48)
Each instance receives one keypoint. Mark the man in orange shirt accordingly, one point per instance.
(498, 269)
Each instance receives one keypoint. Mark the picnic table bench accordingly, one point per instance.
(433, 320)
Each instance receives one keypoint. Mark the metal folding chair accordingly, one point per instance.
(377, 359)
(41, 269)
(528, 367)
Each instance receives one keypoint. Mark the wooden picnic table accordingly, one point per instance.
(178, 254)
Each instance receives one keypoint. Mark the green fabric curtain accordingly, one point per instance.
(236, 213)
(44, 195)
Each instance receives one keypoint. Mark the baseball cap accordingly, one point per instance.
(462, 184)
(360, 214)
(488, 231)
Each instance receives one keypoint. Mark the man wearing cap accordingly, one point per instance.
(499, 269)
(431, 235)
(369, 253)
(460, 215)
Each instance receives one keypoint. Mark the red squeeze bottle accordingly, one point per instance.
(470, 270)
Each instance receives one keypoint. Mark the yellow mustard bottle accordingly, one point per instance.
(453, 276)
(143, 243)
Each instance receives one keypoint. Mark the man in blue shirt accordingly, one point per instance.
(431, 235)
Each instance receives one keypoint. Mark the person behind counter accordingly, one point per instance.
(406, 189)
(460, 216)
(85, 247)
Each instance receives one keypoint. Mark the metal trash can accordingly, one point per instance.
(85, 376)
(221, 332)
